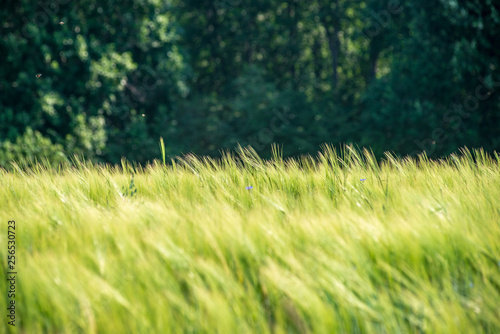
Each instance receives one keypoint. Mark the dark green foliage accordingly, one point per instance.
(31, 147)
(102, 67)
(208, 75)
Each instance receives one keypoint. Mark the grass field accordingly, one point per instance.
(334, 244)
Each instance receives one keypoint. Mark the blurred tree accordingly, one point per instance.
(102, 67)
(205, 75)
(31, 147)
(427, 98)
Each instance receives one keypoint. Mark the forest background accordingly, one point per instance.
(108, 79)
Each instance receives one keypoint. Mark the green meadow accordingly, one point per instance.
(335, 243)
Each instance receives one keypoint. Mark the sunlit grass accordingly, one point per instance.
(185, 247)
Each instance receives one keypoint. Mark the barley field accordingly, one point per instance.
(336, 243)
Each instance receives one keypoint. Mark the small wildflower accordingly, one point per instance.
(143, 115)
(39, 75)
(249, 187)
(362, 180)
(61, 23)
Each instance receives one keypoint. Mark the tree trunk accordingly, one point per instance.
(330, 18)
(374, 52)
(316, 53)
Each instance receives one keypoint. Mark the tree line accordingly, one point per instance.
(108, 79)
